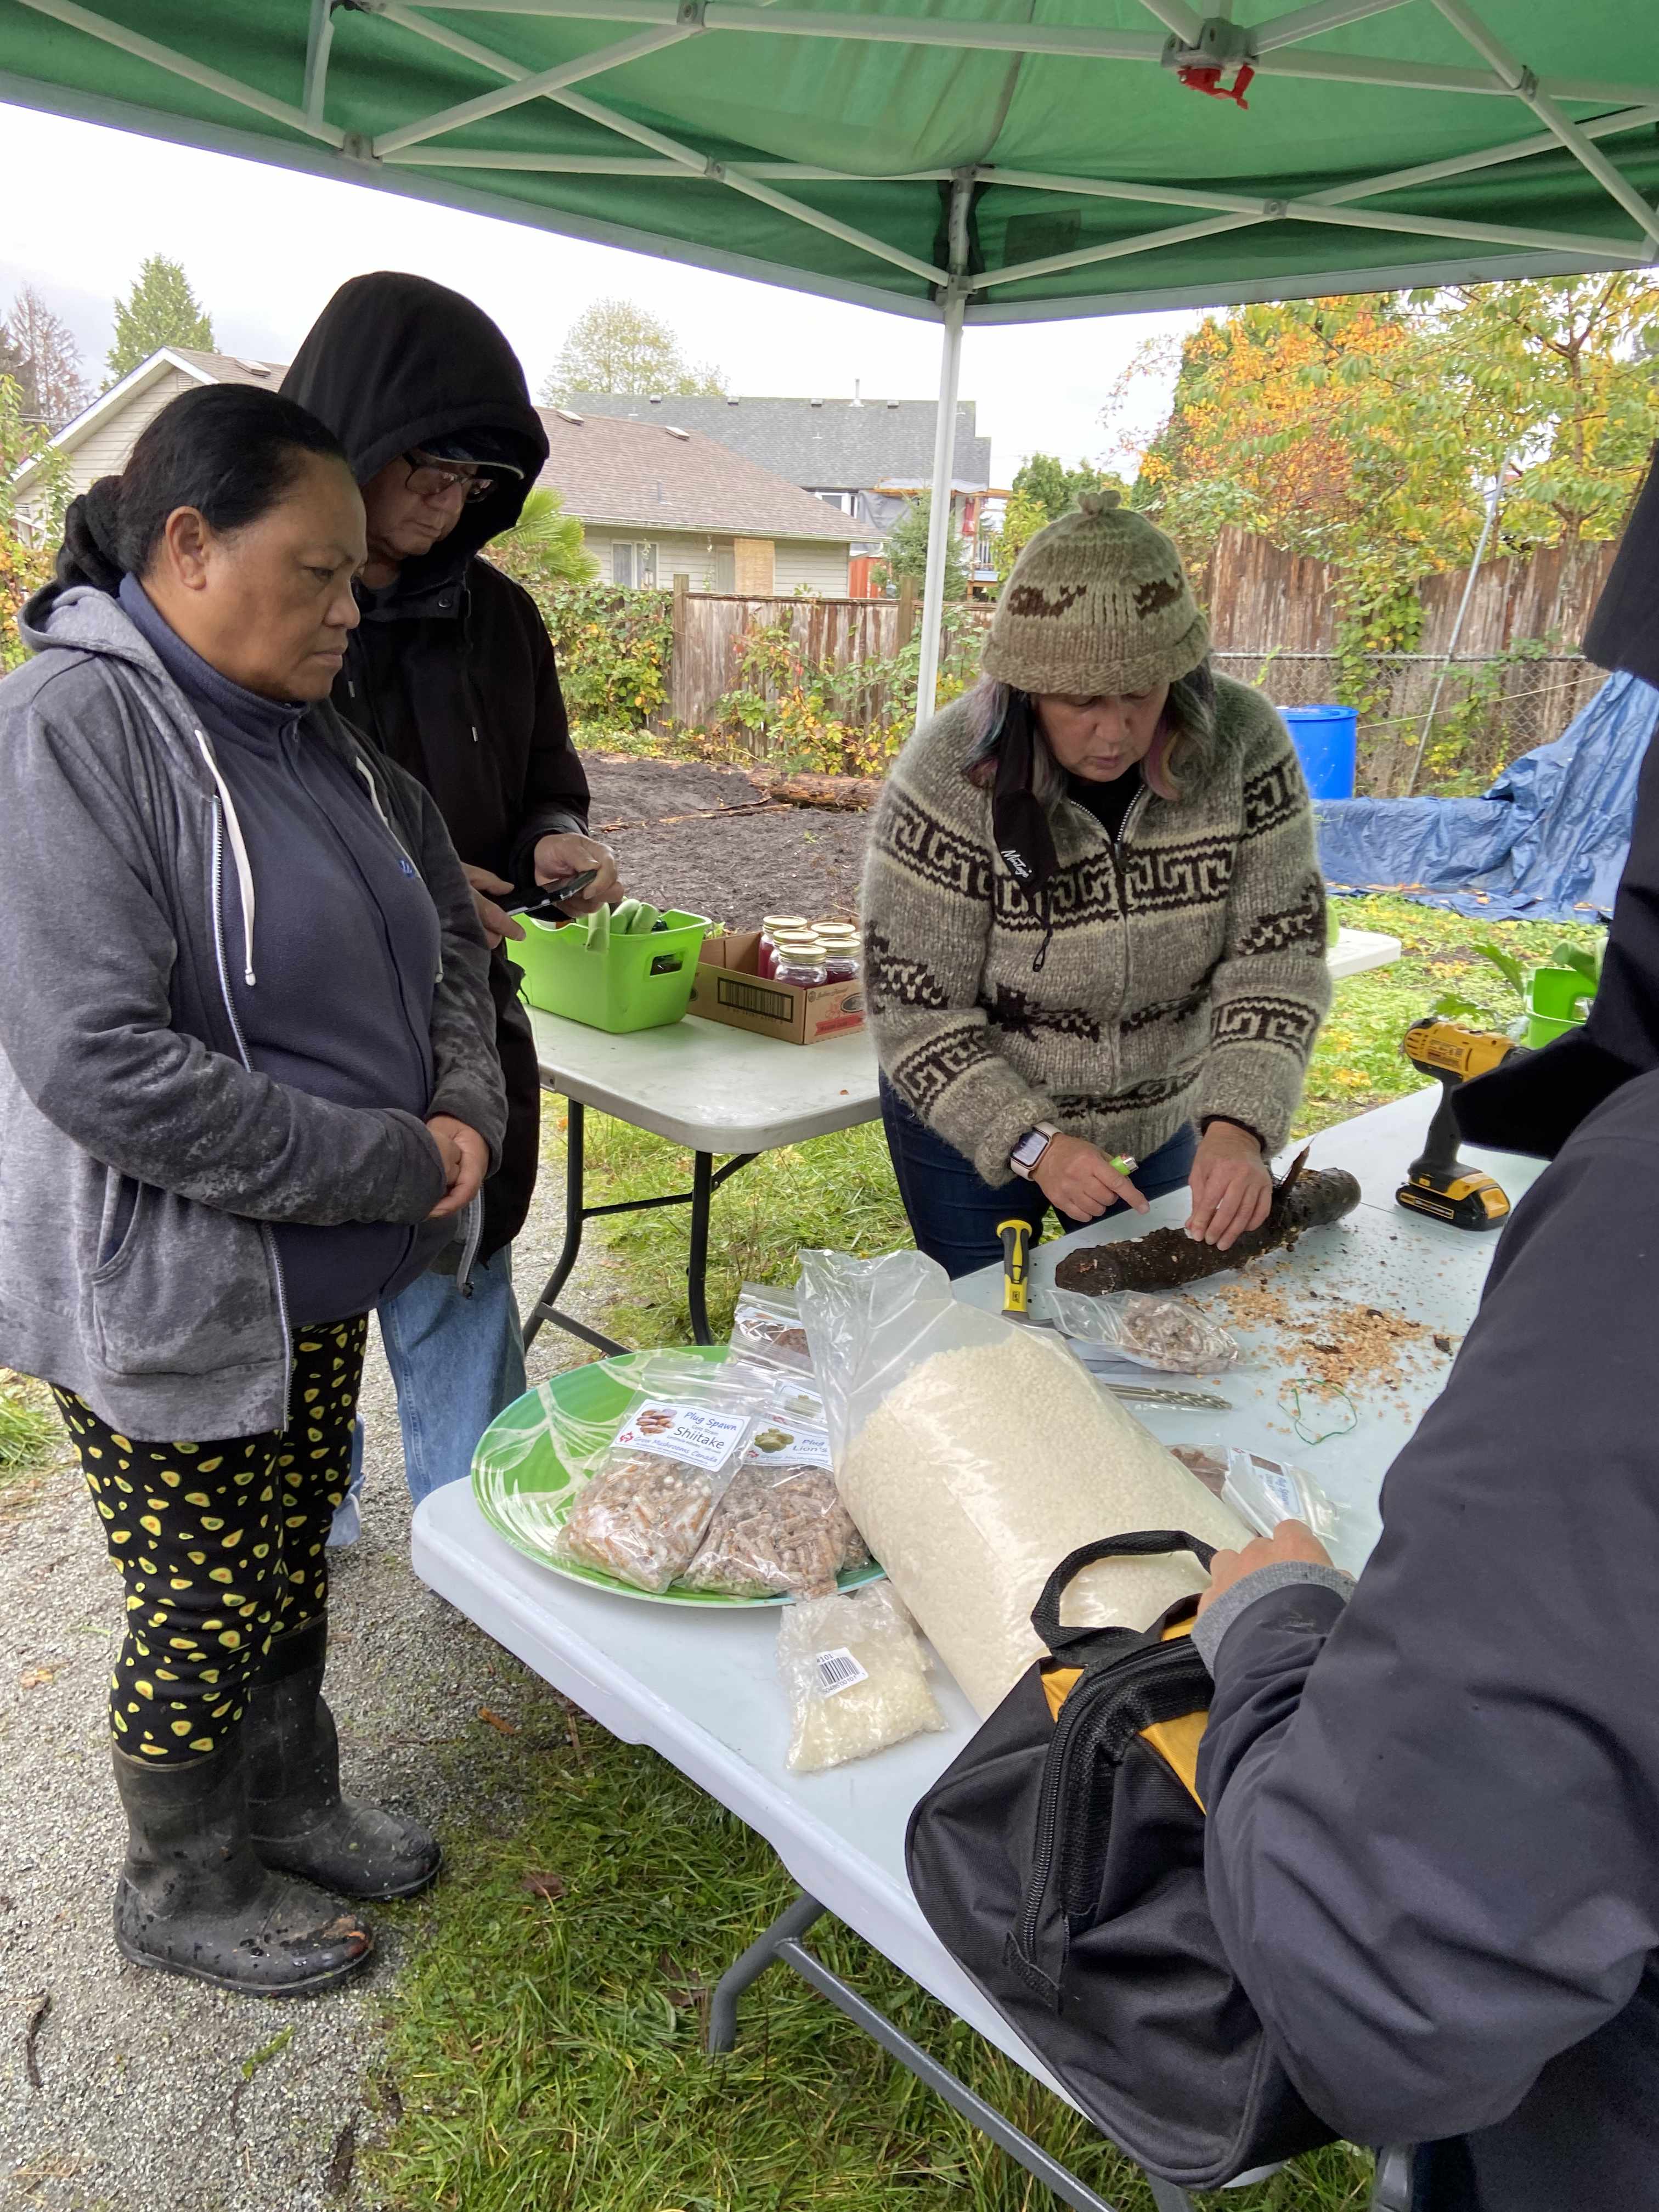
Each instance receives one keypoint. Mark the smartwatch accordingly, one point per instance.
(1031, 1148)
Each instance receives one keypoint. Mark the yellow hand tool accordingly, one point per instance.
(1016, 1266)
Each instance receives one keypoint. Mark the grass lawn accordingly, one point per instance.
(544, 2042)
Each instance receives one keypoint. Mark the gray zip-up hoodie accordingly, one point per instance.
(143, 1159)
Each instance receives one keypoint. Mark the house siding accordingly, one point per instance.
(103, 451)
(804, 567)
(708, 558)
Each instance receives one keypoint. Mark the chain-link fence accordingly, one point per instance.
(1489, 712)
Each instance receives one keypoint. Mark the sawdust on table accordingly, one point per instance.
(1336, 1342)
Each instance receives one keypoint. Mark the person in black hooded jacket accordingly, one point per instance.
(1533, 1102)
(452, 674)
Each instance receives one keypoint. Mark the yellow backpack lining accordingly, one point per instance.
(1174, 1741)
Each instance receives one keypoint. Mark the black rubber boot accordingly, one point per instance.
(301, 1823)
(195, 1898)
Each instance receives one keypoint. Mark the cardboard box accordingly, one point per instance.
(728, 989)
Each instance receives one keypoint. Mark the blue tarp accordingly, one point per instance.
(1547, 843)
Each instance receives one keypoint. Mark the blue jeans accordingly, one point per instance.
(456, 1362)
(953, 1215)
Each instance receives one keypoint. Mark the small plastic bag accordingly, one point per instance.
(855, 1674)
(767, 1326)
(1150, 1329)
(1264, 1492)
(642, 1514)
(780, 1525)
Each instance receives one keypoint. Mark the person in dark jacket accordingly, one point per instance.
(1533, 1102)
(452, 674)
(249, 1087)
(1433, 1842)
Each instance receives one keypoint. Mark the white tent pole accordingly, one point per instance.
(178, 65)
(318, 46)
(538, 87)
(1081, 40)
(941, 515)
(693, 163)
(1309, 22)
(1525, 85)
(1459, 164)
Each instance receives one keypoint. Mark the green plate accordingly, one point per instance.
(525, 1489)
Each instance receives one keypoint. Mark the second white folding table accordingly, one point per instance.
(724, 1091)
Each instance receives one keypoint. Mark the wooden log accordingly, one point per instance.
(1170, 1260)
(851, 794)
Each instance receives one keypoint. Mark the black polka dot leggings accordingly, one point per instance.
(221, 1546)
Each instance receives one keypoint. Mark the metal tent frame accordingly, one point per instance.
(959, 293)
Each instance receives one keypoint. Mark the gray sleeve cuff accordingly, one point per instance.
(1216, 1620)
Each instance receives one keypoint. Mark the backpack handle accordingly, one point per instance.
(1144, 1544)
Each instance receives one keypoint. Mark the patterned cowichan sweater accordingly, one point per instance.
(1186, 977)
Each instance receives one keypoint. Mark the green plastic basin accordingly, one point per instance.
(632, 983)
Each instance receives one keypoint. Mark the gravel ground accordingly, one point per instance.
(140, 2104)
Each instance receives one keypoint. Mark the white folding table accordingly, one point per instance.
(700, 1085)
(701, 1688)
(715, 1090)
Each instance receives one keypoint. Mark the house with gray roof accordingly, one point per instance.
(97, 441)
(866, 457)
(656, 498)
(660, 498)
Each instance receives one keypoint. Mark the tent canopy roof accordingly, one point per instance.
(826, 144)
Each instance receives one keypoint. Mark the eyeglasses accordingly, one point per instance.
(431, 479)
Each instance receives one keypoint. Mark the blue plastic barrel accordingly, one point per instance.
(1326, 741)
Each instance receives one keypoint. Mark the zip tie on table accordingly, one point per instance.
(1292, 1397)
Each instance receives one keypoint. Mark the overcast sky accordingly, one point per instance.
(265, 248)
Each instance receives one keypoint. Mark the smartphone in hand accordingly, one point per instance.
(545, 902)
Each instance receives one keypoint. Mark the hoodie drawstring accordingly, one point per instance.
(238, 849)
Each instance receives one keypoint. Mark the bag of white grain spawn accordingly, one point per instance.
(974, 1453)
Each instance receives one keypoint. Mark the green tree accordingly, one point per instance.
(1043, 490)
(617, 345)
(1023, 516)
(1045, 482)
(161, 310)
(907, 549)
(545, 544)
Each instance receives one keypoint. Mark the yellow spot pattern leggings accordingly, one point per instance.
(221, 1546)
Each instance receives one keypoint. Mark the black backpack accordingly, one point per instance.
(1060, 1860)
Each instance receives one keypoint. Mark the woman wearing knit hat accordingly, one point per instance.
(1094, 917)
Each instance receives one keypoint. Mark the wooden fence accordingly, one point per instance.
(709, 630)
(1262, 601)
(1273, 620)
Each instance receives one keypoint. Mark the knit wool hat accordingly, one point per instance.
(1099, 606)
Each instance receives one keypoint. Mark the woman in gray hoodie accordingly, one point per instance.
(249, 1085)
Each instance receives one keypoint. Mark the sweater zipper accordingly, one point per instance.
(267, 1235)
(1115, 846)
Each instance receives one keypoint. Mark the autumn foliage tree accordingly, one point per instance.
(1367, 430)
(26, 562)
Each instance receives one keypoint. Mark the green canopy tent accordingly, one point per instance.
(964, 160)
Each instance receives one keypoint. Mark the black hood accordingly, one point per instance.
(396, 360)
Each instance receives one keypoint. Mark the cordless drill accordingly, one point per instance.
(1437, 1182)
